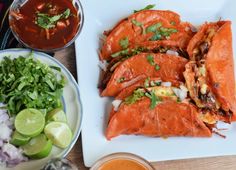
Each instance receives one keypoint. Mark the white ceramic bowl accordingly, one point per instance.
(72, 107)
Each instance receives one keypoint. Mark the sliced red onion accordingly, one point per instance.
(12, 155)
(9, 154)
(166, 84)
(3, 158)
(116, 104)
(4, 117)
(103, 65)
(172, 52)
(10, 122)
(12, 151)
(5, 134)
(1, 143)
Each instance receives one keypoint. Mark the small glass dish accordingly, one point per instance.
(59, 164)
(122, 156)
(16, 4)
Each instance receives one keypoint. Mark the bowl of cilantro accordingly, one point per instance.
(40, 109)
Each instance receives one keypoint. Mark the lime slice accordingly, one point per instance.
(38, 147)
(29, 122)
(18, 139)
(59, 133)
(57, 115)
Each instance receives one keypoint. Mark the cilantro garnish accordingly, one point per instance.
(139, 24)
(124, 43)
(27, 83)
(137, 95)
(154, 27)
(129, 52)
(160, 32)
(45, 21)
(120, 53)
(157, 67)
(146, 82)
(120, 80)
(150, 60)
(146, 8)
(172, 23)
(154, 99)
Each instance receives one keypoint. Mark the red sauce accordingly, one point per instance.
(24, 22)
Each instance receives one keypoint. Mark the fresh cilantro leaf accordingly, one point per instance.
(163, 33)
(150, 60)
(156, 36)
(158, 82)
(124, 43)
(153, 28)
(135, 22)
(120, 80)
(146, 82)
(138, 50)
(120, 53)
(66, 13)
(157, 67)
(172, 23)
(28, 83)
(146, 8)
(45, 21)
(154, 99)
(139, 24)
(137, 95)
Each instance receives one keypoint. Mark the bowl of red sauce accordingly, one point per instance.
(122, 161)
(46, 25)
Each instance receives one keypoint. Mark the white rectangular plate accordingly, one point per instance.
(103, 15)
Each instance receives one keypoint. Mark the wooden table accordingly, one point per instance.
(67, 57)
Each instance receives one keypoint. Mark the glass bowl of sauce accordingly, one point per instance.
(122, 161)
(46, 25)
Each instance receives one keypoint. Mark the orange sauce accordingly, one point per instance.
(122, 164)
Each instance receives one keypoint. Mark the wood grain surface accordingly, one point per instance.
(67, 57)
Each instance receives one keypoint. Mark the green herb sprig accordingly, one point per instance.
(45, 21)
(137, 95)
(154, 99)
(139, 24)
(151, 61)
(145, 8)
(121, 80)
(129, 52)
(124, 43)
(27, 83)
(160, 32)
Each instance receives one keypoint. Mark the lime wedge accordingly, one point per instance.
(57, 115)
(59, 133)
(18, 139)
(38, 147)
(29, 122)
